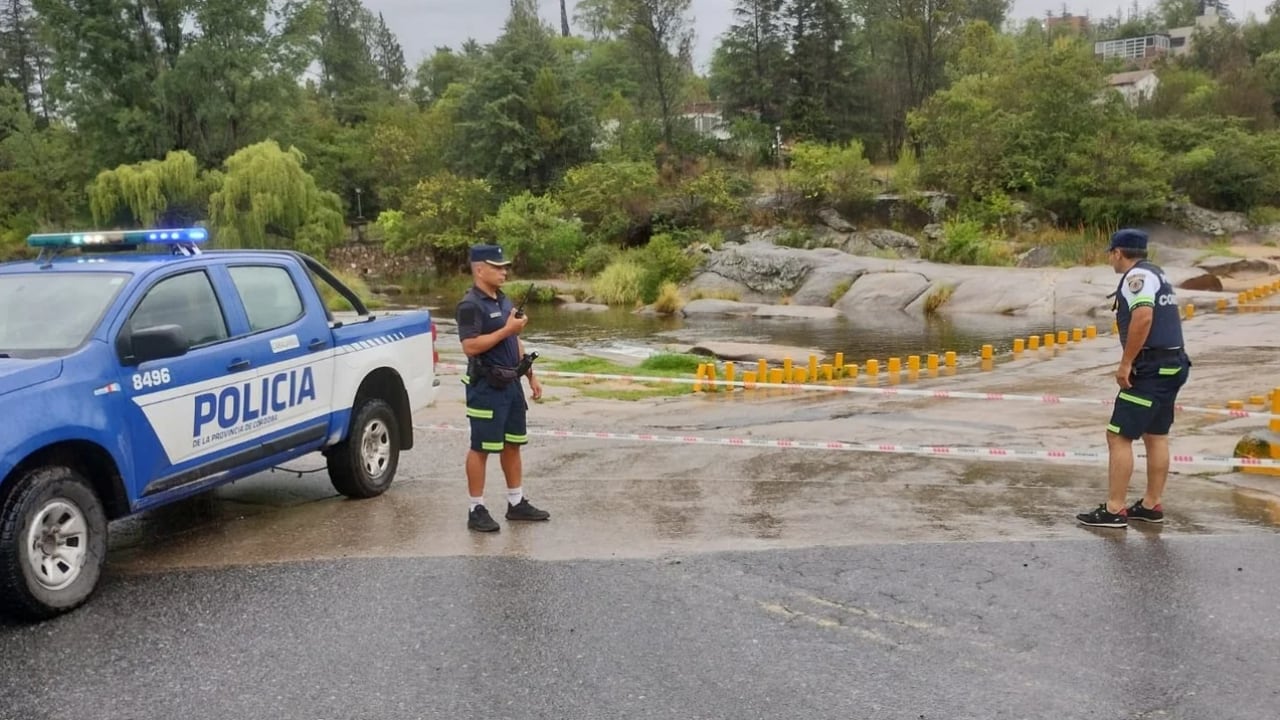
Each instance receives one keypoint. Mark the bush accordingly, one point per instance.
(836, 175)
(534, 233)
(595, 258)
(620, 283)
(967, 243)
(663, 261)
(611, 198)
(669, 300)
(441, 215)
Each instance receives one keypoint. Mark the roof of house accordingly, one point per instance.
(1128, 78)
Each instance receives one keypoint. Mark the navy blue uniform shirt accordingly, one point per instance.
(478, 314)
(1146, 284)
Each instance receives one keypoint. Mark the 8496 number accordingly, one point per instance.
(151, 378)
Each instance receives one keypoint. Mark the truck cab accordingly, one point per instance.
(138, 369)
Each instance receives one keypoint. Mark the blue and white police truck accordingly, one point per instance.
(138, 368)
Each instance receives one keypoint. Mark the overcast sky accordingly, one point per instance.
(422, 25)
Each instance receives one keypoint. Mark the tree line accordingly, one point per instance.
(280, 123)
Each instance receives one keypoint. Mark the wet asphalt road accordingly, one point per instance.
(1129, 624)
(692, 582)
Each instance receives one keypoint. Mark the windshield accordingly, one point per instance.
(52, 313)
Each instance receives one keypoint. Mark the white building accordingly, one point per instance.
(1136, 87)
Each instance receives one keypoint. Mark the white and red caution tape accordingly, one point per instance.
(1076, 457)
(1047, 399)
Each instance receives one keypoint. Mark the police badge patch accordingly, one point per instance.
(1135, 283)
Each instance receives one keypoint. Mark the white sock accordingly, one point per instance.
(515, 495)
(476, 501)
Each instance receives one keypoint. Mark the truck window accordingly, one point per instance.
(270, 298)
(187, 300)
(43, 314)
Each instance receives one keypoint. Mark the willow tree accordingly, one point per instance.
(267, 200)
(169, 192)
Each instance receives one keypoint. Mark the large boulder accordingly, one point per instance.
(874, 292)
(900, 244)
(761, 268)
(826, 284)
(1205, 221)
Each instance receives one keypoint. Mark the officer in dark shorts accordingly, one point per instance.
(489, 330)
(1153, 368)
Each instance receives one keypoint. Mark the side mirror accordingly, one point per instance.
(153, 343)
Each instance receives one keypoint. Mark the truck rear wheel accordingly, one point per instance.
(53, 542)
(364, 464)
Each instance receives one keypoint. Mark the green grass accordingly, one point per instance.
(661, 365)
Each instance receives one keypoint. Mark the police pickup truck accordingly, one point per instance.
(137, 370)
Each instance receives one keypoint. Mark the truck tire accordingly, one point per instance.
(53, 542)
(364, 464)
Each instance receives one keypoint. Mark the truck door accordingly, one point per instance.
(290, 343)
(182, 420)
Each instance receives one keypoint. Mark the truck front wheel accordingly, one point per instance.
(363, 465)
(53, 541)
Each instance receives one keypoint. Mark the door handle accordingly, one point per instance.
(238, 365)
(316, 344)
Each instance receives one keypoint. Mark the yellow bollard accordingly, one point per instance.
(1077, 334)
(1033, 342)
(873, 367)
(828, 371)
(1191, 311)
(697, 377)
(987, 352)
(711, 377)
(839, 359)
(1222, 305)
(1275, 410)
(1115, 327)
(851, 371)
(762, 370)
(1257, 400)
(801, 375)
(895, 366)
(1242, 298)
(1019, 345)
(1091, 331)
(932, 361)
(950, 358)
(1062, 337)
(786, 369)
(730, 373)
(813, 367)
(749, 379)
(913, 363)
(775, 376)
(1048, 340)
(1235, 405)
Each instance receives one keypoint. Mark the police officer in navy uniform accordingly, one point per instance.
(489, 330)
(1153, 368)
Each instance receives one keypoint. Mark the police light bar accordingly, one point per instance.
(178, 236)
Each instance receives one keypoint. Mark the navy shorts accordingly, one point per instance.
(497, 415)
(1146, 408)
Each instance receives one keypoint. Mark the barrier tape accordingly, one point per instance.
(1047, 399)
(1087, 457)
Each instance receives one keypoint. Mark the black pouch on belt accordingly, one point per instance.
(499, 376)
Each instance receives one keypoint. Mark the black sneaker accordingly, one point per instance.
(481, 521)
(1145, 514)
(1099, 517)
(524, 511)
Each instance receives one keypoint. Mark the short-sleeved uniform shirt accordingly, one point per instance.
(478, 314)
(497, 415)
(1162, 367)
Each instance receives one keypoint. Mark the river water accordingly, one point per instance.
(878, 335)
